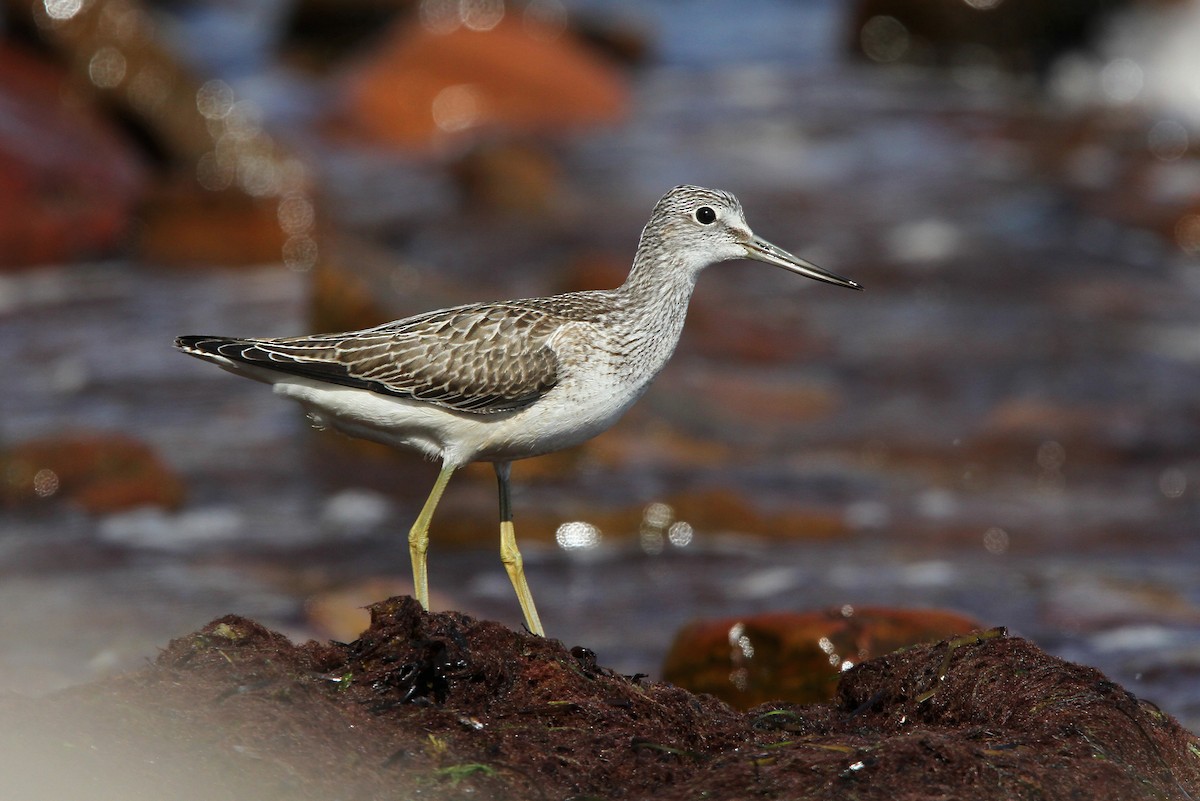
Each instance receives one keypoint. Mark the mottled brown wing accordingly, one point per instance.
(485, 358)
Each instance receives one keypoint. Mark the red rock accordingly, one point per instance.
(103, 473)
(68, 180)
(422, 88)
(795, 657)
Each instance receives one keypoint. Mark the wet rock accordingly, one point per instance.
(102, 473)
(428, 84)
(446, 706)
(69, 181)
(795, 657)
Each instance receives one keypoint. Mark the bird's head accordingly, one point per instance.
(698, 227)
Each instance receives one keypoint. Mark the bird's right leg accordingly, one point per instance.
(418, 537)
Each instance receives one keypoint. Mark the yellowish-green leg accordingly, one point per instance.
(418, 537)
(512, 557)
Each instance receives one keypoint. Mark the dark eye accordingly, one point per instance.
(705, 215)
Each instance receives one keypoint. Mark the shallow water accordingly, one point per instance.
(1005, 421)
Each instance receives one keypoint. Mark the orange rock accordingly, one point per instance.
(68, 180)
(103, 473)
(423, 88)
(795, 657)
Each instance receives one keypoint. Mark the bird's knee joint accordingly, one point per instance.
(511, 558)
(418, 543)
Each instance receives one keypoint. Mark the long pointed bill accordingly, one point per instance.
(761, 250)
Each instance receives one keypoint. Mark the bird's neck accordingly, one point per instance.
(654, 301)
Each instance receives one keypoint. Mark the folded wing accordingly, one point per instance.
(484, 359)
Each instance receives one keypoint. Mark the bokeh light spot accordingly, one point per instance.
(1187, 233)
(456, 108)
(884, 39)
(1167, 140)
(213, 173)
(481, 15)
(680, 534)
(1172, 482)
(62, 10)
(577, 536)
(149, 89)
(1121, 80)
(995, 540)
(300, 253)
(1051, 455)
(214, 100)
(296, 214)
(45, 483)
(107, 68)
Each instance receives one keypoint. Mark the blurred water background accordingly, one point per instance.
(1006, 423)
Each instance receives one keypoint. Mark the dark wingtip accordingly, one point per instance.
(190, 342)
(200, 343)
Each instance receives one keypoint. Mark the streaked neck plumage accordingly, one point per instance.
(653, 301)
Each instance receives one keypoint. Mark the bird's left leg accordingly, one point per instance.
(418, 537)
(511, 556)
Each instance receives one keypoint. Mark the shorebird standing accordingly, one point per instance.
(502, 381)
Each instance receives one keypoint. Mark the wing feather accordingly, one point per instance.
(485, 358)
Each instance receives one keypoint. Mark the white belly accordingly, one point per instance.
(571, 413)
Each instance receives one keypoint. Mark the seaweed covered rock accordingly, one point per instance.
(441, 706)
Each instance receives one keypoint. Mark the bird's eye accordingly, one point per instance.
(705, 215)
